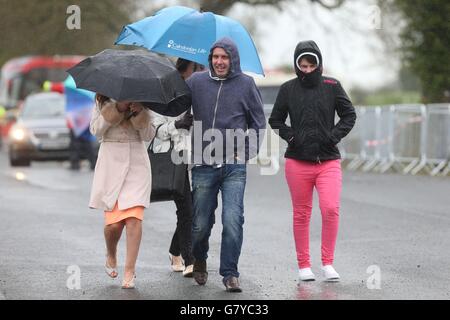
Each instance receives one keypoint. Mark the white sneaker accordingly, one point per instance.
(330, 274)
(306, 274)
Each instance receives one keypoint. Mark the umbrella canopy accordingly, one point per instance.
(186, 33)
(134, 75)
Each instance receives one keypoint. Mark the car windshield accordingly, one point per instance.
(49, 107)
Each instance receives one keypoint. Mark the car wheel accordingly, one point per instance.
(19, 162)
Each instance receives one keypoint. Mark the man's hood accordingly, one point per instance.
(305, 48)
(231, 49)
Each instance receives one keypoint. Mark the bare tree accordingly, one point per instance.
(39, 27)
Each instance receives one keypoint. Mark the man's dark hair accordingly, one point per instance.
(183, 64)
(309, 58)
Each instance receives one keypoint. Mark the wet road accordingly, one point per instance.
(393, 241)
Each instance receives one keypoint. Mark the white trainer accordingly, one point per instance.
(305, 274)
(330, 274)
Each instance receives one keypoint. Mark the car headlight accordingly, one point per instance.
(18, 134)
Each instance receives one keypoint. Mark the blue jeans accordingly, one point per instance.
(230, 179)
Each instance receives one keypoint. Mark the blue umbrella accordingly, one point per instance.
(79, 105)
(186, 33)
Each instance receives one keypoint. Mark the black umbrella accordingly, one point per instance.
(134, 75)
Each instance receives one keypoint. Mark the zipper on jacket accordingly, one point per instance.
(217, 103)
(318, 160)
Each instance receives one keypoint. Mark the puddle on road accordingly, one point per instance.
(49, 180)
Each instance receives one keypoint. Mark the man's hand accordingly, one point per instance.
(185, 122)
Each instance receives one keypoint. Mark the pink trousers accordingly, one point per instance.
(326, 177)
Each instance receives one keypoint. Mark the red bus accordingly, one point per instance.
(24, 75)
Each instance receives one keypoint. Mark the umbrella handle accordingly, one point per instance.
(132, 114)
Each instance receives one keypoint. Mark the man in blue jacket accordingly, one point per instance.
(229, 117)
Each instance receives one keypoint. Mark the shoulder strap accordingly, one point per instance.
(150, 147)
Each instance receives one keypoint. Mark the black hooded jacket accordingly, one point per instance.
(311, 101)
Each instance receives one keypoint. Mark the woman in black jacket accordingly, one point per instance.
(312, 158)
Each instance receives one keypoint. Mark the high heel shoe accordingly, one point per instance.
(112, 272)
(176, 264)
(188, 272)
(129, 284)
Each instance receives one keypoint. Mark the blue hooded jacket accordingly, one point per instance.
(233, 103)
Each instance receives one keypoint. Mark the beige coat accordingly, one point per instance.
(123, 171)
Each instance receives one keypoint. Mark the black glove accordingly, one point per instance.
(185, 122)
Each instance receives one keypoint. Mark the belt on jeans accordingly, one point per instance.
(220, 165)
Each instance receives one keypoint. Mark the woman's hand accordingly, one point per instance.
(123, 106)
(135, 108)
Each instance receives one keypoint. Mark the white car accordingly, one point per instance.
(41, 131)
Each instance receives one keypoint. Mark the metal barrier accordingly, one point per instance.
(437, 141)
(385, 138)
(404, 138)
(352, 146)
(408, 137)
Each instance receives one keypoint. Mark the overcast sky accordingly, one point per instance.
(351, 49)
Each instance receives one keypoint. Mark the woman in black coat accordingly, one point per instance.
(312, 158)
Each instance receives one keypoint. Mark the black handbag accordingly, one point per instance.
(168, 178)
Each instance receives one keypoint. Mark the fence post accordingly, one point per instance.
(423, 141)
(376, 142)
